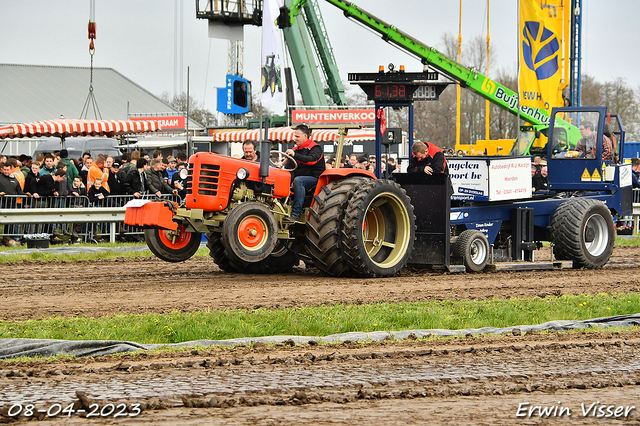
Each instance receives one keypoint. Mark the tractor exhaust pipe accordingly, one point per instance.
(265, 148)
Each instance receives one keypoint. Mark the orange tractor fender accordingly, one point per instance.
(332, 174)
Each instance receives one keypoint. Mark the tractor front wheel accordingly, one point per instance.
(172, 246)
(379, 229)
(249, 233)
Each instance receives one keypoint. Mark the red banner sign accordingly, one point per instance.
(332, 116)
(174, 122)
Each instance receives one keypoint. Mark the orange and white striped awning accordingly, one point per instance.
(285, 134)
(64, 128)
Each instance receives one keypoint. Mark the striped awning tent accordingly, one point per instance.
(64, 128)
(285, 134)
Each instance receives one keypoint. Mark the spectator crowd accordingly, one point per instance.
(56, 177)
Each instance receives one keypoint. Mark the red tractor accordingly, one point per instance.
(354, 224)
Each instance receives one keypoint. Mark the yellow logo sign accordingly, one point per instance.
(585, 175)
(595, 177)
(488, 86)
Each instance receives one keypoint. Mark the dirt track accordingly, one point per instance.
(122, 286)
(475, 380)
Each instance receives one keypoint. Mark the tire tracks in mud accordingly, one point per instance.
(485, 368)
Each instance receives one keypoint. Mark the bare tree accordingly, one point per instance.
(436, 121)
(618, 97)
(503, 124)
(197, 111)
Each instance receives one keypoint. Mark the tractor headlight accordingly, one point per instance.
(242, 173)
(184, 173)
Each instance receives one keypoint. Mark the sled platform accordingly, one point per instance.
(529, 266)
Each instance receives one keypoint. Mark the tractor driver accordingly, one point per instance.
(587, 144)
(311, 164)
(427, 158)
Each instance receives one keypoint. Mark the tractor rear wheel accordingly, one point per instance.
(172, 246)
(324, 226)
(265, 80)
(249, 233)
(217, 253)
(379, 229)
(281, 261)
(473, 248)
(582, 230)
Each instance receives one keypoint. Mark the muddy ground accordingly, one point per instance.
(473, 380)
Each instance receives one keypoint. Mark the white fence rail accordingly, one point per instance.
(22, 215)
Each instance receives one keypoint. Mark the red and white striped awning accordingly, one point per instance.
(285, 134)
(64, 128)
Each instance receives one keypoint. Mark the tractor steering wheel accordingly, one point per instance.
(281, 166)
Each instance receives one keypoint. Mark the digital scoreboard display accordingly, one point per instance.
(401, 92)
(391, 91)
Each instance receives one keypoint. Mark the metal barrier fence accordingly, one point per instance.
(634, 219)
(74, 218)
(77, 218)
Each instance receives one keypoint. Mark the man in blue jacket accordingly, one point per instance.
(310, 159)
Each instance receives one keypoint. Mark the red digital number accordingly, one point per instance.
(390, 91)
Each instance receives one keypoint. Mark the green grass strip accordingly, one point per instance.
(44, 256)
(630, 241)
(324, 320)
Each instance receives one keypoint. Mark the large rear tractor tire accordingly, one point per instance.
(582, 230)
(172, 246)
(249, 233)
(473, 248)
(324, 226)
(379, 229)
(217, 253)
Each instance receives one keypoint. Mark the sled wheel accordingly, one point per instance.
(473, 247)
(249, 233)
(582, 230)
(172, 246)
(379, 229)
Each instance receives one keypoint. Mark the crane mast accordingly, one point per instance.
(491, 90)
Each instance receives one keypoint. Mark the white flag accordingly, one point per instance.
(271, 60)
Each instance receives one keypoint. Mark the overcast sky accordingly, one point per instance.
(136, 38)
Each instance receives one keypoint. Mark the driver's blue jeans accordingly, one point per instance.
(301, 185)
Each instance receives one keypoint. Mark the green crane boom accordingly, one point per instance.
(491, 90)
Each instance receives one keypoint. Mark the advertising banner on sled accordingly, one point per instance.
(541, 31)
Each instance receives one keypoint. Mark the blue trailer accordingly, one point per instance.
(494, 217)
